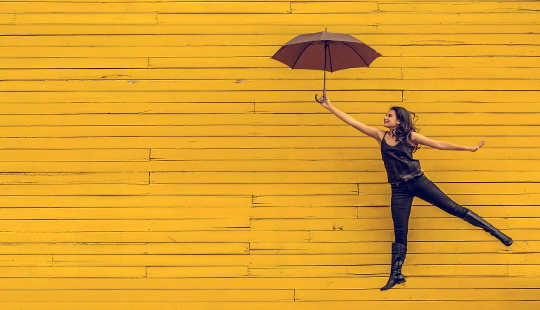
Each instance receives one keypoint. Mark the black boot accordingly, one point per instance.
(476, 220)
(399, 252)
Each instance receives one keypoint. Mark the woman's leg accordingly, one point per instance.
(428, 191)
(400, 206)
(401, 202)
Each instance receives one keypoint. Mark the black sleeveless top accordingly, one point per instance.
(399, 163)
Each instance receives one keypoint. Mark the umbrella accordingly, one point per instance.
(326, 51)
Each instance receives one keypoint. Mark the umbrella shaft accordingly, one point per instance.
(324, 69)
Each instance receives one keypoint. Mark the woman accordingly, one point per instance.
(407, 179)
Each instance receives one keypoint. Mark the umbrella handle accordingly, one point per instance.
(322, 98)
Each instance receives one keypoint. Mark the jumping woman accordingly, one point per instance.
(407, 179)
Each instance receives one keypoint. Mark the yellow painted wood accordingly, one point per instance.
(346, 162)
(262, 38)
(153, 155)
(264, 119)
(273, 74)
(251, 50)
(412, 6)
(292, 29)
(133, 7)
(302, 282)
(341, 305)
(299, 18)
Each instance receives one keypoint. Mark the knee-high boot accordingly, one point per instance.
(399, 252)
(477, 220)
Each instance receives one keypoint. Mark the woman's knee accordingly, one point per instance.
(400, 236)
(431, 193)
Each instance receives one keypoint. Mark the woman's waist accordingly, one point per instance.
(400, 179)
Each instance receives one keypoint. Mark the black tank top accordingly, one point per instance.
(399, 163)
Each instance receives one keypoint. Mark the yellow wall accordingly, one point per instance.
(152, 152)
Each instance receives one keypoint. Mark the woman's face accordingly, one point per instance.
(390, 119)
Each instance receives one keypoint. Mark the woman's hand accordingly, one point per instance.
(475, 148)
(326, 103)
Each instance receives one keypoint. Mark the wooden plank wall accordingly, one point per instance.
(153, 156)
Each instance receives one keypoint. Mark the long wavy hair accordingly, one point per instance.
(405, 127)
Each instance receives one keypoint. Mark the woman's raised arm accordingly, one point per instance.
(374, 132)
(443, 145)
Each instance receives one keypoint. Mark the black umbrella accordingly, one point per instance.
(325, 51)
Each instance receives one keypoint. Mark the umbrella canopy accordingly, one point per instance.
(326, 51)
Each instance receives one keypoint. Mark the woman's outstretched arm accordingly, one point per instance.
(443, 145)
(366, 129)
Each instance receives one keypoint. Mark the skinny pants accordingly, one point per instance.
(402, 198)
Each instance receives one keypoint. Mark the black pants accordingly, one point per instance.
(401, 202)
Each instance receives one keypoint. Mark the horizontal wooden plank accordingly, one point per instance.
(419, 235)
(281, 99)
(424, 108)
(171, 260)
(257, 131)
(276, 248)
(442, 118)
(327, 177)
(32, 168)
(247, 189)
(365, 146)
(298, 282)
(136, 191)
(80, 177)
(292, 28)
(502, 262)
(448, 223)
(121, 18)
(203, 271)
(425, 294)
(376, 17)
(106, 248)
(50, 75)
(144, 296)
(473, 50)
(373, 199)
(197, 202)
(287, 84)
(412, 6)
(245, 235)
(259, 62)
(519, 213)
(74, 272)
(215, 223)
(300, 18)
(125, 223)
(146, 7)
(190, 296)
(111, 67)
(187, 213)
(447, 247)
(242, 38)
(111, 157)
(440, 271)
(285, 305)
(237, 235)
(366, 156)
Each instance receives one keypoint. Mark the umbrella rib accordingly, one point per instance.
(301, 54)
(356, 53)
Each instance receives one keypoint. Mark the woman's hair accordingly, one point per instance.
(405, 127)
